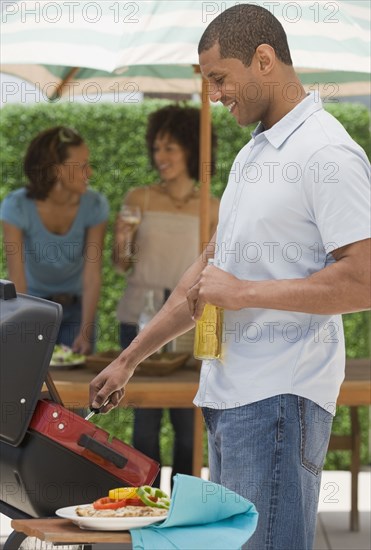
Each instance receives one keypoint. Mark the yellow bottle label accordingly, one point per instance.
(208, 333)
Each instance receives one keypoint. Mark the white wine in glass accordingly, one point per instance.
(130, 214)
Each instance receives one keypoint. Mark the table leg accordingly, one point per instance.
(354, 468)
(198, 432)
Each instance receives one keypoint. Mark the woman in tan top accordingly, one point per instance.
(160, 249)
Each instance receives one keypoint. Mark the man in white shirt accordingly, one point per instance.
(292, 251)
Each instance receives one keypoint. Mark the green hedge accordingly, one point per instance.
(115, 134)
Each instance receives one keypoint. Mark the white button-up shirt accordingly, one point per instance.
(295, 193)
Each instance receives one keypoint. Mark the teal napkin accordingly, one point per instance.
(202, 515)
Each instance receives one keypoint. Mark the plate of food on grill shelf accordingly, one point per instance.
(63, 356)
(124, 508)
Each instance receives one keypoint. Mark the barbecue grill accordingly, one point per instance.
(49, 456)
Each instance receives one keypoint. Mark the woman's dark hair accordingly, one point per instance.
(44, 153)
(182, 123)
(239, 30)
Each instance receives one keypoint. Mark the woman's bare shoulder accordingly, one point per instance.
(137, 196)
(134, 194)
(214, 212)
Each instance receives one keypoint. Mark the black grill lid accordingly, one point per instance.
(28, 330)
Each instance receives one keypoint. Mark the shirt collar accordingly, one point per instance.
(290, 122)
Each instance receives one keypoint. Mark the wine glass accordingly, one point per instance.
(130, 214)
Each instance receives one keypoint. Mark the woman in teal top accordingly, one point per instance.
(54, 230)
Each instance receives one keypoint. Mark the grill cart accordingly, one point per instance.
(49, 456)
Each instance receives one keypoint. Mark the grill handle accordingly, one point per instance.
(7, 290)
(102, 450)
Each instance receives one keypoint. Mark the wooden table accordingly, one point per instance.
(179, 389)
(356, 388)
(62, 531)
(354, 392)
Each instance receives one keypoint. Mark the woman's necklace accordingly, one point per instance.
(178, 202)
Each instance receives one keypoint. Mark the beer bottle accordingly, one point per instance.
(208, 333)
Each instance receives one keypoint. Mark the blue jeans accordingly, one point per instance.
(147, 423)
(70, 324)
(272, 452)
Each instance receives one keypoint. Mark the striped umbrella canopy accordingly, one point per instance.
(151, 46)
(68, 47)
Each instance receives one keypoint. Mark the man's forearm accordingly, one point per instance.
(171, 321)
(343, 287)
(303, 295)
(163, 328)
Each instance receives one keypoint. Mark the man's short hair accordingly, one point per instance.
(241, 29)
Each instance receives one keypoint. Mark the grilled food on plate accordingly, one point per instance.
(128, 502)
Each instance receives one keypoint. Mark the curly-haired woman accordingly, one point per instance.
(54, 230)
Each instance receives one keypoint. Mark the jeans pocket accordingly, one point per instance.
(315, 432)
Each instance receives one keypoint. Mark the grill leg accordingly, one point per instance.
(14, 540)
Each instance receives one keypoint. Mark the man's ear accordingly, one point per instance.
(266, 58)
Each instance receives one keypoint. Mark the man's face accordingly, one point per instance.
(238, 87)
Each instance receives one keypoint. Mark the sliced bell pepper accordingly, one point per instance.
(135, 501)
(106, 503)
(122, 492)
(151, 496)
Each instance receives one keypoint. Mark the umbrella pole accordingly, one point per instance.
(69, 76)
(204, 178)
(205, 166)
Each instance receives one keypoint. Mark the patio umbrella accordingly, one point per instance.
(154, 43)
(152, 46)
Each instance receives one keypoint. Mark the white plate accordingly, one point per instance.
(70, 363)
(63, 356)
(106, 524)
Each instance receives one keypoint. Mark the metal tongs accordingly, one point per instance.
(94, 411)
